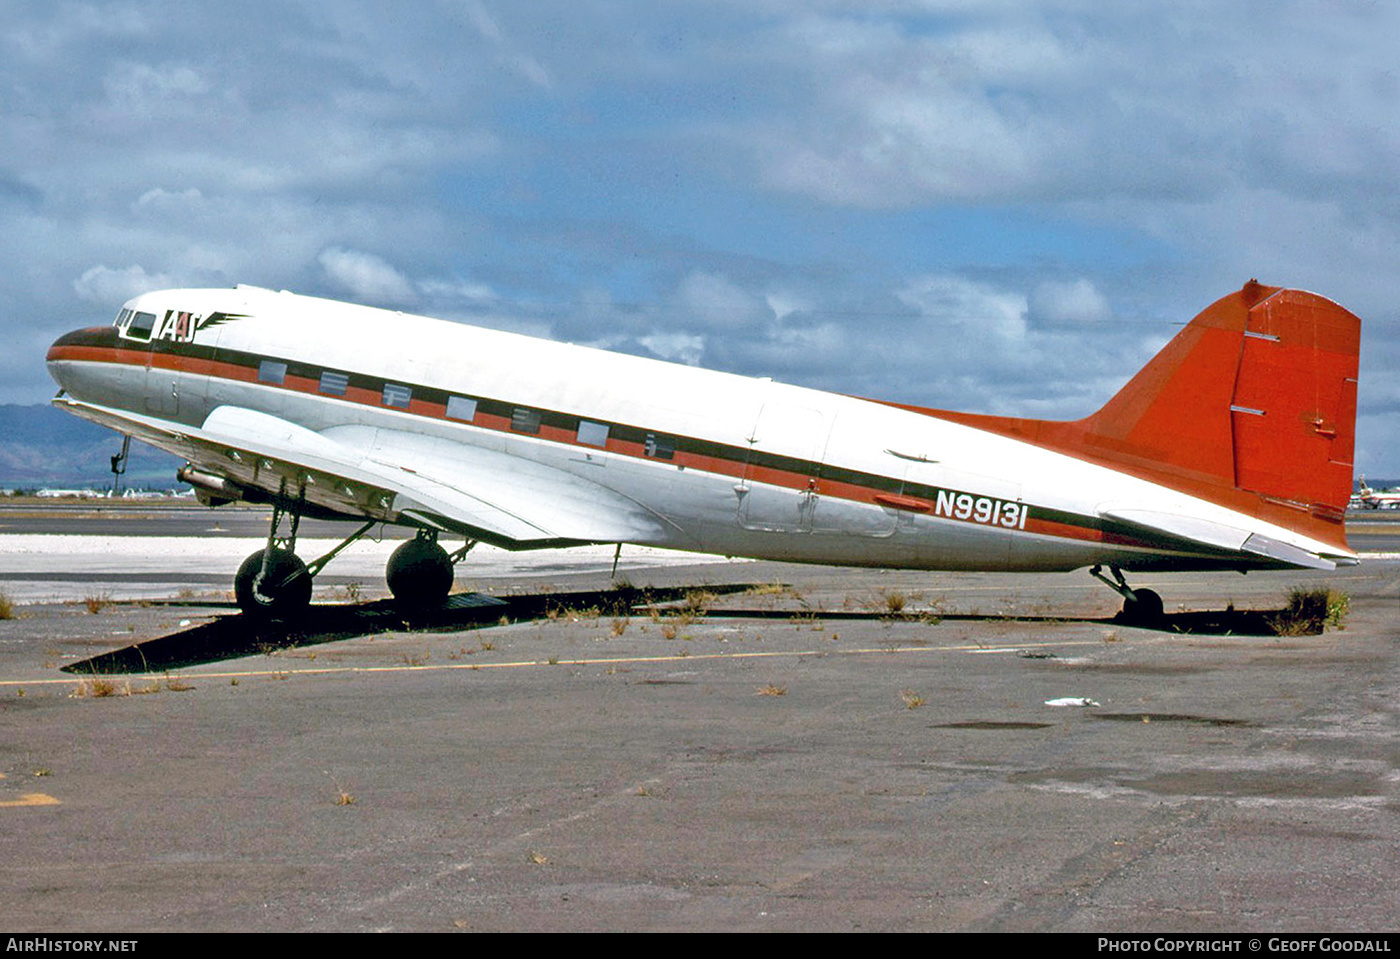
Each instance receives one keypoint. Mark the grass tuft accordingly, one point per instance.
(1310, 610)
(698, 602)
(100, 687)
(97, 602)
(7, 606)
(771, 689)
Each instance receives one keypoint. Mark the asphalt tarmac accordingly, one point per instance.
(787, 748)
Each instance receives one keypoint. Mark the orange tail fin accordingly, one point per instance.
(1252, 405)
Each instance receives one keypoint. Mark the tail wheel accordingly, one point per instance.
(283, 590)
(419, 574)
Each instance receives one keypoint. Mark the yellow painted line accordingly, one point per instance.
(618, 661)
(30, 799)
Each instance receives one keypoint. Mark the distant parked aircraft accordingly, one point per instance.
(1367, 498)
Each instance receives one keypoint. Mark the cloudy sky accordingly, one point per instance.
(995, 205)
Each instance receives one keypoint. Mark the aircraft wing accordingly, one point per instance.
(1219, 537)
(380, 473)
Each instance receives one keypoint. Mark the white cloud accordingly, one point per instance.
(934, 201)
(107, 286)
(457, 290)
(964, 310)
(680, 347)
(366, 276)
(1073, 301)
(138, 90)
(716, 303)
(166, 200)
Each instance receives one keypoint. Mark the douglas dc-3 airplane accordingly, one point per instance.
(1230, 450)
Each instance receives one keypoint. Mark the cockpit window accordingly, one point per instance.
(122, 317)
(141, 326)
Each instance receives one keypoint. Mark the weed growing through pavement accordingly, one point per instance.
(97, 602)
(100, 687)
(697, 603)
(343, 796)
(1310, 610)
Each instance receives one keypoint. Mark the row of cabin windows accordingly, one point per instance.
(397, 396)
(522, 418)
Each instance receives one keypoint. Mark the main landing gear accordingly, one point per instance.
(274, 583)
(1141, 607)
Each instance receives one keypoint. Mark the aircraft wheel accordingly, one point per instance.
(1146, 611)
(285, 591)
(419, 574)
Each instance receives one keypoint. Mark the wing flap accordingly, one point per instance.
(547, 498)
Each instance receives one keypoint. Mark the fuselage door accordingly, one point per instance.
(779, 488)
(177, 367)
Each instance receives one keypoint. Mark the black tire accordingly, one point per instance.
(419, 574)
(1145, 611)
(284, 592)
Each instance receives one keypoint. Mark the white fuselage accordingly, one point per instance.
(727, 464)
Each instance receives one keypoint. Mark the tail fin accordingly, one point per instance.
(1252, 405)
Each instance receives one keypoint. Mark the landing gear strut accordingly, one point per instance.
(274, 584)
(1141, 607)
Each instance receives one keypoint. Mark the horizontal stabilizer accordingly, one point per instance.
(1272, 548)
(1217, 537)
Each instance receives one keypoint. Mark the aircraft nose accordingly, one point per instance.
(70, 345)
(78, 351)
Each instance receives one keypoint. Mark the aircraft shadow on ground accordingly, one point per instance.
(237, 636)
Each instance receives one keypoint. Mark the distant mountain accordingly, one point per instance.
(41, 446)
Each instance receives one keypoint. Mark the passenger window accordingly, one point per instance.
(397, 395)
(333, 383)
(594, 434)
(272, 371)
(461, 408)
(523, 420)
